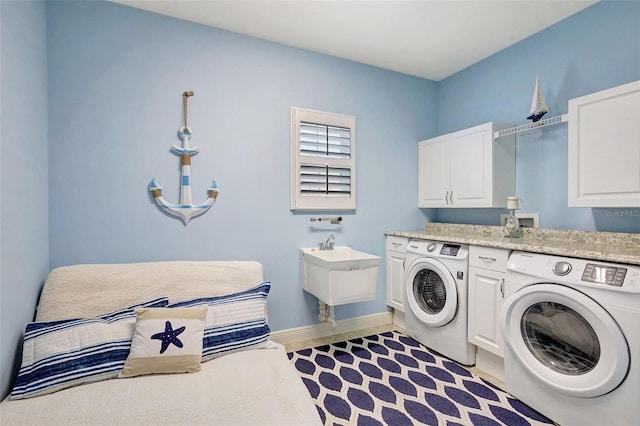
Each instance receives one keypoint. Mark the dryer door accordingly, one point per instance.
(431, 292)
(565, 340)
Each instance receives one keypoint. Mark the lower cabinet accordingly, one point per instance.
(487, 273)
(395, 256)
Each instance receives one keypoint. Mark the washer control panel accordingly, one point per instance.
(438, 249)
(604, 274)
(450, 249)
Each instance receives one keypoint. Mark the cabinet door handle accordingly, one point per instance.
(502, 287)
(446, 198)
(451, 198)
(396, 244)
(488, 259)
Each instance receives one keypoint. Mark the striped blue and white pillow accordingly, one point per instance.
(234, 322)
(61, 354)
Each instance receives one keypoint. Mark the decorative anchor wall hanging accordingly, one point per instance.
(185, 210)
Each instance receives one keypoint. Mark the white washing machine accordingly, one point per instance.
(436, 298)
(572, 338)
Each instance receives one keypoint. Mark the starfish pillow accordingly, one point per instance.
(166, 340)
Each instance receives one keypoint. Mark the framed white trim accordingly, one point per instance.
(340, 166)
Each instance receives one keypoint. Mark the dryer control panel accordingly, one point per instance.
(604, 274)
(523, 266)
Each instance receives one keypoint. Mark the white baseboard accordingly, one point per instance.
(318, 331)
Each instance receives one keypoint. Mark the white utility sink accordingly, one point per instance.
(340, 275)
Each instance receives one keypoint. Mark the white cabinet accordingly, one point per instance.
(604, 148)
(467, 168)
(487, 273)
(396, 254)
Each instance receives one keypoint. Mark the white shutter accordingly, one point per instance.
(322, 161)
(329, 181)
(325, 141)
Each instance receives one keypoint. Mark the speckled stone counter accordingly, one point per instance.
(604, 246)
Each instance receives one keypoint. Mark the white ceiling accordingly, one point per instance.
(426, 38)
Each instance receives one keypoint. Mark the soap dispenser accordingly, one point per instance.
(512, 224)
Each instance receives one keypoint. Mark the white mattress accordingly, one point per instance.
(254, 387)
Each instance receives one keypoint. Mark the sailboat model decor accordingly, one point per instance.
(185, 210)
(539, 106)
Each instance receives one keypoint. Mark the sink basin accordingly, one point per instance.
(341, 275)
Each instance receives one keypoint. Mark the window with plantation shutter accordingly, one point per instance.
(322, 161)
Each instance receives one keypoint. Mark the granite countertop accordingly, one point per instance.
(604, 246)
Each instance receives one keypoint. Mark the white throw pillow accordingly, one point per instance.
(166, 341)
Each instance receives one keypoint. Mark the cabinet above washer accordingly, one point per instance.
(467, 168)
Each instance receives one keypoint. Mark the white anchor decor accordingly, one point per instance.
(185, 210)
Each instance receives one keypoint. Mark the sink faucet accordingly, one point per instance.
(328, 245)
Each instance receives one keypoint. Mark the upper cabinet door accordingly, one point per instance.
(604, 148)
(433, 173)
(467, 169)
(471, 166)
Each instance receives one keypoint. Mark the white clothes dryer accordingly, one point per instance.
(436, 298)
(572, 338)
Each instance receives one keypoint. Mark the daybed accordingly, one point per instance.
(241, 382)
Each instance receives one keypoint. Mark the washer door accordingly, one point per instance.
(431, 292)
(565, 340)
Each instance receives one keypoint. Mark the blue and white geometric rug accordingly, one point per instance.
(390, 379)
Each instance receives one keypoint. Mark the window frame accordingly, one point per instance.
(300, 202)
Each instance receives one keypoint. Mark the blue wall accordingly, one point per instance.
(116, 78)
(595, 49)
(24, 217)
